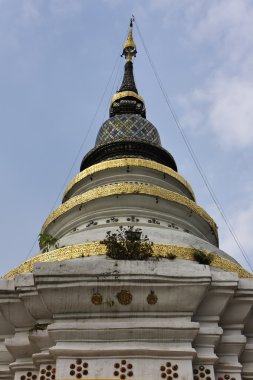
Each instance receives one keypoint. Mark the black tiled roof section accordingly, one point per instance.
(128, 83)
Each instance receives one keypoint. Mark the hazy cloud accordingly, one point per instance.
(226, 96)
(66, 7)
(222, 103)
(242, 221)
(240, 217)
(227, 25)
(223, 23)
(225, 106)
(29, 12)
(113, 3)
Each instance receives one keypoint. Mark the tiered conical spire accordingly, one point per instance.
(128, 83)
(127, 132)
(127, 100)
(129, 51)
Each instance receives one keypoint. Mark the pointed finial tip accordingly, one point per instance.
(129, 49)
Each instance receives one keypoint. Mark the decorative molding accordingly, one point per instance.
(152, 298)
(96, 248)
(124, 297)
(123, 94)
(79, 369)
(47, 372)
(97, 299)
(125, 162)
(123, 188)
(169, 371)
(123, 370)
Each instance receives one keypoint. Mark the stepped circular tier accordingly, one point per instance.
(131, 192)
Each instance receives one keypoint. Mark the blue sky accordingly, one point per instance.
(56, 57)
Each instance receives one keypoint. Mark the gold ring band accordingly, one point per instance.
(124, 162)
(96, 248)
(129, 188)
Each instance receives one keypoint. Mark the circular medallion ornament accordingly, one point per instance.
(124, 297)
(96, 299)
(152, 298)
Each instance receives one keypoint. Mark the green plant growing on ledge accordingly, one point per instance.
(202, 257)
(47, 241)
(128, 244)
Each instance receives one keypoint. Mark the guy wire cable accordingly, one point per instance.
(80, 148)
(112, 90)
(191, 151)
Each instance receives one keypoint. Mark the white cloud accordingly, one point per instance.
(228, 26)
(224, 26)
(226, 105)
(220, 31)
(231, 111)
(225, 96)
(242, 221)
(18, 17)
(240, 217)
(226, 22)
(25, 13)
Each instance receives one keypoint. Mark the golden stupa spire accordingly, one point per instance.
(127, 99)
(129, 49)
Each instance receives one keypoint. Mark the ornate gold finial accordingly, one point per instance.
(129, 49)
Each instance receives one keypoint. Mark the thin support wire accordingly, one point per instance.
(80, 148)
(192, 153)
(112, 91)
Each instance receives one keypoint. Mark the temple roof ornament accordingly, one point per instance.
(127, 132)
(126, 99)
(129, 49)
(128, 127)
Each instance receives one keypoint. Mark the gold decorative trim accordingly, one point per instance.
(97, 299)
(60, 254)
(124, 162)
(152, 298)
(124, 297)
(123, 94)
(96, 248)
(129, 188)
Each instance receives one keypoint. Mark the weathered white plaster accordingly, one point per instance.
(202, 317)
(123, 174)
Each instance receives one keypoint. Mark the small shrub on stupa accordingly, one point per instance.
(46, 242)
(203, 258)
(128, 244)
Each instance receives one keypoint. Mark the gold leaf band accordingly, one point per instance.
(124, 162)
(123, 94)
(96, 248)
